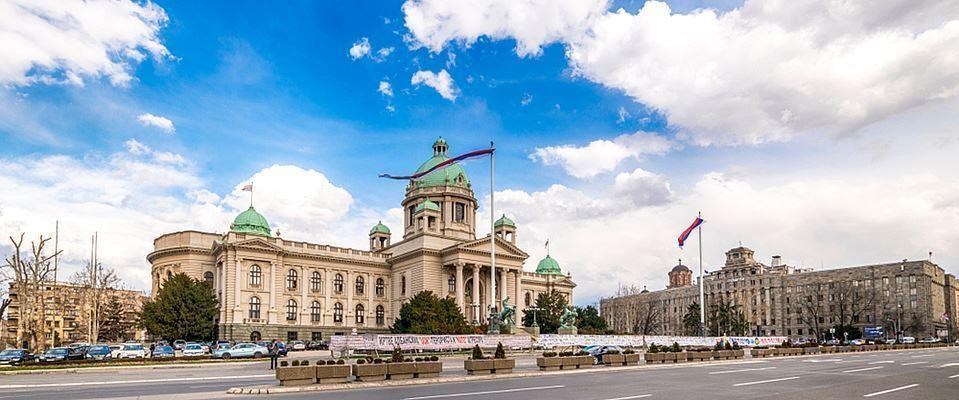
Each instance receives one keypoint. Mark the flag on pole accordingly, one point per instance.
(444, 164)
(248, 187)
(683, 236)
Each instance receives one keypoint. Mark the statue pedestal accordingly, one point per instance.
(567, 330)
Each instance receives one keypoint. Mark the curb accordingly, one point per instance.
(122, 368)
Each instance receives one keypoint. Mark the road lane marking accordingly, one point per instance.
(862, 369)
(823, 360)
(954, 376)
(914, 363)
(766, 381)
(440, 396)
(925, 355)
(639, 396)
(202, 378)
(891, 390)
(740, 370)
(948, 365)
(883, 362)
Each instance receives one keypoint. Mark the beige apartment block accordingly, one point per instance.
(272, 287)
(781, 300)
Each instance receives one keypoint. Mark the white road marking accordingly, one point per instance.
(914, 363)
(740, 370)
(439, 396)
(766, 381)
(948, 365)
(883, 362)
(862, 369)
(954, 376)
(924, 355)
(631, 397)
(823, 360)
(891, 390)
(98, 383)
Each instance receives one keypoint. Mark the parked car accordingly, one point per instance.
(857, 342)
(597, 351)
(163, 352)
(297, 345)
(240, 350)
(929, 339)
(832, 342)
(15, 356)
(891, 341)
(60, 354)
(179, 344)
(100, 352)
(133, 351)
(193, 350)
(908, 340)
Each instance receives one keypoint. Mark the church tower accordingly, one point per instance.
(680, 276)
(441, 202)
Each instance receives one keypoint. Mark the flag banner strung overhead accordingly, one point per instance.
(683, 236)
(444, 164)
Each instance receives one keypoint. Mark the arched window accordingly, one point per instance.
(255, 275)
(255, 336)
(338, 312)
(208, 278)
(380, 315)
(315, 281)
(527, 299)
(291, 279)
(338, 283)
(360, 285)
(169, 275)
(254, 307)
(360, 313)
(452, 283)
(315, 311)
(291, 310)
(403, 285)
(380, 287)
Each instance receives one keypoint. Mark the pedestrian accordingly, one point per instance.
(274, 353)
(152, 347)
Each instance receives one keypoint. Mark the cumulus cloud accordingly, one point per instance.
(68, 42)
(602, 155)
(526, 100)
(381, 54)
(360, 48)
(156, 121)
(442, 82)
(385, 88)
(746, 76)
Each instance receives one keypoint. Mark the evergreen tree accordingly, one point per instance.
(691, 320)
(426, 313)
(115, 326)
(184, 308)
(551, 305)
(589, 321)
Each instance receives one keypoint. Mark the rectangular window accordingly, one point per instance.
(912, 279)
(410, 218)
(290, 336)
(316, 336)
(459, 212)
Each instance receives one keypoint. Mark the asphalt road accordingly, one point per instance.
(929, 374)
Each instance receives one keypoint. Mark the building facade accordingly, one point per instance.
(270, 287)
(914, 297)
(67, 314)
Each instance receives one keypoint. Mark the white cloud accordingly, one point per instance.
(441, 81)
(55, 42)
(601, 156)
(360, 49)
(385, 88)
(381, 54)
(156, 121)
(750, 75)
(623, 115)
(527, 98)
(136, 148)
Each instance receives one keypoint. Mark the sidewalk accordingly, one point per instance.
(77, 370)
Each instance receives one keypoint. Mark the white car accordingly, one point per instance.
(908, 340)
(128, 350)
(297, 345)
(929, 339)
(193, 349)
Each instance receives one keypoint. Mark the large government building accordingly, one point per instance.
(271, 287)
(915, 297)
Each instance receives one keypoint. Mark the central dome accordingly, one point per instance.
(250, 221)
(548, 266)
(452, 175)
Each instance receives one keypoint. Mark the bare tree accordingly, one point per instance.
(812, 309)
(97, 284)
(647, 318)
(851, 302)
(30, 274)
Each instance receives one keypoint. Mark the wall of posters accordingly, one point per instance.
(459, 342)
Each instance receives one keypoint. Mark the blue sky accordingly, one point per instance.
(612, 127)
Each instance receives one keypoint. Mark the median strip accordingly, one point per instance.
(766, 381)
(891, 390)
(440, 396)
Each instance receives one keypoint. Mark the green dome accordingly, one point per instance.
(427, 205)
(251, 221)
(452, 175)
(503, 221)
(548, 266)
(380, 228)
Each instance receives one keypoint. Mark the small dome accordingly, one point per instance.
(451, 175)
(548, 266)
(427, 205)
(250, 221)
(503, 221)
(380, 228)
(679, 268)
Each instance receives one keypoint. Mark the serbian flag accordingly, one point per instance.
(248, 187)
(444, 164)
(683, 236)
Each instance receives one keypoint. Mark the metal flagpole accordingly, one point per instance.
(492, 242)
(702, 293)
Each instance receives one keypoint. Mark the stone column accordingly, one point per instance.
(518, 289)
(237, 315)
(271, 314)
(223, 290)
(370, 287)
(327, 287)
(348, 310)
(303, 306)
(459, 288)
(501, 288)
(476, 292)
